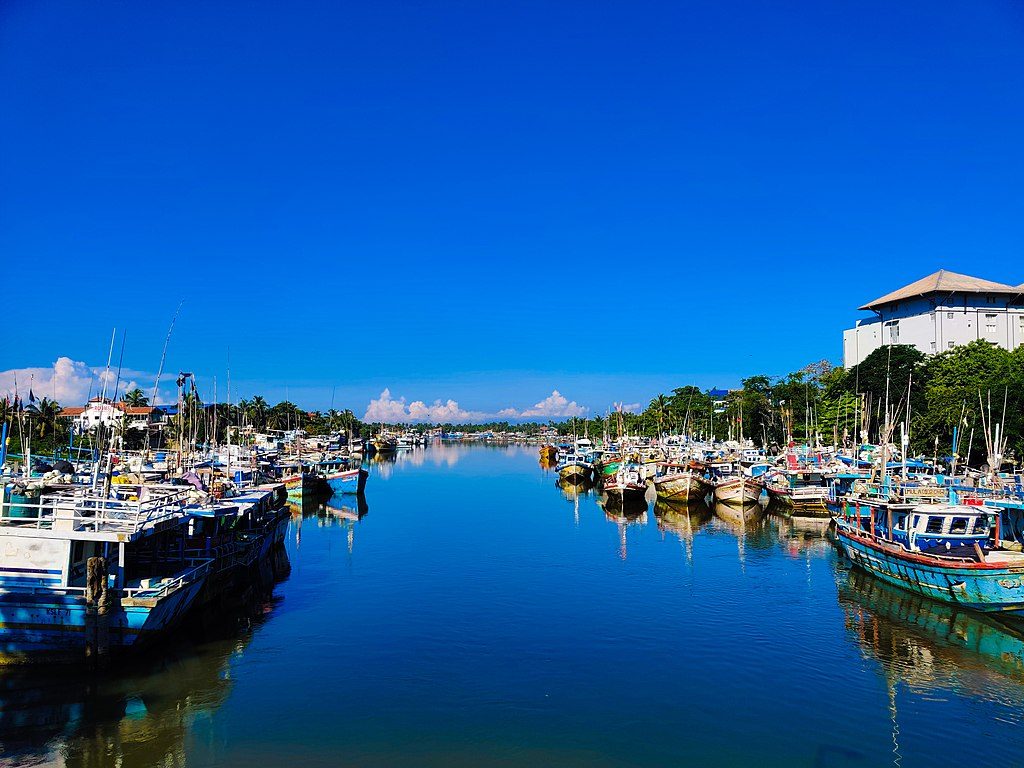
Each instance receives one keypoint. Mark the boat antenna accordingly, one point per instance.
(160, 369)
(103, 400)
(117, 384)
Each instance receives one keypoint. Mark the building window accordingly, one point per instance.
(990, 323)
(894, 331)
(950, 344)
(949, 315)
(933, 346)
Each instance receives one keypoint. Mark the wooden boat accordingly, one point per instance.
(804, 490)
(607, 464)
(681, 482)
(738, 489)
(548, 453)
(385, 444)
(298, 478)
(347, 480)
(628, 483)
(86, 573)
(574, 467)
(944, 552)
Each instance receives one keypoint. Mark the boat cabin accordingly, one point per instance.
(941, 529)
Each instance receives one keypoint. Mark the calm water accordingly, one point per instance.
(475, 615)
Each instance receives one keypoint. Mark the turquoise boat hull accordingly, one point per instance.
(988, 587)
(56, 627)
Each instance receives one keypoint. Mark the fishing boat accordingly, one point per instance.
(385, 444)
(574, 467)
(627, 484)
(298, 477)
(342, 475)
(607, 463)
(548, 454)
(87, 573)
(942, 551)
(733, 485)
(802, 490)
(681, 482)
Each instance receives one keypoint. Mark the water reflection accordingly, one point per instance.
(804, 536)
(572, 492)
(624, 512)
(740, 516)
(930, 645)
(141, 713)
(343, 511)
(682, 520)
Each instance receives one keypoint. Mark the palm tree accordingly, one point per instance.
(257, 411)
(46, 419)
(135, 398)
(661, 411)
(284, 415)
(243, 409)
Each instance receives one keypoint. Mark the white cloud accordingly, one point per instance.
(392, 410)
(553, 406)
(72, 382)
(631, 407)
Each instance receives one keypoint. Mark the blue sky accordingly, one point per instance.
(486, 202)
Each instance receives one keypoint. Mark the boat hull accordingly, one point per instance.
(298, 486)
(574, 473)
(987, 587)
(48, 628)
(347, 481)
(682, 487)
(738, 490)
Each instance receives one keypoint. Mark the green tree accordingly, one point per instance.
(135, 398)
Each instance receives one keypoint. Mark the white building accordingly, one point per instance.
(110, 414)
(939, 312)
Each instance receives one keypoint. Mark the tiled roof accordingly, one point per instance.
(943, 282)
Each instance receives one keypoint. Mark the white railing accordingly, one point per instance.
(168, 585)
(81, 509)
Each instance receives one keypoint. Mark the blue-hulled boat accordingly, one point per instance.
(86, 573)
(943, 551)
(343, 475)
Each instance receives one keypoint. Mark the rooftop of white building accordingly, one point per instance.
(944, 281)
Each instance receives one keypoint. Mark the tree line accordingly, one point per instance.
(965, 387)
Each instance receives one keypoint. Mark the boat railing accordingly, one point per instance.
(201, 568)
(85, 510)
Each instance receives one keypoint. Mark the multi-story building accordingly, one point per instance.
(103, 411)
(939, 312)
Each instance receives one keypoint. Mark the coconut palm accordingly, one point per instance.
(46, 417)
(257, 412)
(135, 398)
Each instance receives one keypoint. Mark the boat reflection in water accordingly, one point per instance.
(740, 515)
(624, 510)
(930, 645)
(682, 520)
(344, 512)
(141, 713)
(804, 536)
(572, 491)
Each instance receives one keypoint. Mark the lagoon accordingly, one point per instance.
(474, 614)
